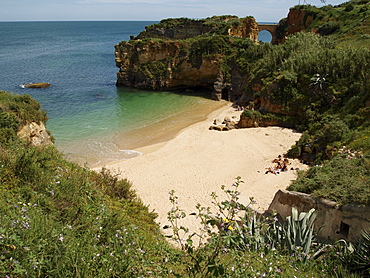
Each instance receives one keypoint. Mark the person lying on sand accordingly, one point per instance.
(281, 166)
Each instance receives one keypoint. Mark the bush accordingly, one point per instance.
(9, 120)
(341, 180)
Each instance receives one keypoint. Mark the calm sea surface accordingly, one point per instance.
(91, 119)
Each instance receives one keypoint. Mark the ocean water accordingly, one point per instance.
(91, 119)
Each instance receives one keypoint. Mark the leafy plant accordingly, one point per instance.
(234, 226)
(360, 259)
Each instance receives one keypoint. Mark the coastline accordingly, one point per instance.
(197, 161)
(118, 144)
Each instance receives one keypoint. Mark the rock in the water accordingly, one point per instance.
(36, 85)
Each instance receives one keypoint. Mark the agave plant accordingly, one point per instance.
(299, 230)
(360, 259)
(250, 232)
(295, 234)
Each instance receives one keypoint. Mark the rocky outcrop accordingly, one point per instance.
(160, 58)
(164, 58)
(333, 220)
(39, 85)
(35, 134)
(228, 123)
(297, 20)
(248, 28)
(160, 65)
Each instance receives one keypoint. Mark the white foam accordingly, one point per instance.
(131, 153)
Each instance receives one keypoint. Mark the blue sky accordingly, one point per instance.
(154, 10)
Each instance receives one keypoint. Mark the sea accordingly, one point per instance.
(93, 121)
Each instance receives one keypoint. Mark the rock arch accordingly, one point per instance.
(272, 29)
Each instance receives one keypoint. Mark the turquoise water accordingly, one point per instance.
(91, 119)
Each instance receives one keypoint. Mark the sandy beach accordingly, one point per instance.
(198, 161)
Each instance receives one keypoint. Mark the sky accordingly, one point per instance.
(151, 10)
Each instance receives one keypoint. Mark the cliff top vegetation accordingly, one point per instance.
(182, 28)
(349, 22)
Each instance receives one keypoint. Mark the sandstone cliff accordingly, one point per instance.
(160, 65)
(174, 55)
(165, 56)
(35, 134)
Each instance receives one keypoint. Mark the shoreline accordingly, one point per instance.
(113, 146)
(198, 161)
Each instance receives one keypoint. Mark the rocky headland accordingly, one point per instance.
(185, 54)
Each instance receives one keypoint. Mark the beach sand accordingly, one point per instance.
(197, 161)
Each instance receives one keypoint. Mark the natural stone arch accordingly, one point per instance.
(271, 28)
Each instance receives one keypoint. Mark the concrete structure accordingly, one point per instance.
(271, 28)
(335, 221)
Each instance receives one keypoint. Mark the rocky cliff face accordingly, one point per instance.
(248, 28)
(297, 21)
(160, 65)
(159, 57)
(35, 134)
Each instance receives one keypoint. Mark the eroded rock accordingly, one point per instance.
(35, 134)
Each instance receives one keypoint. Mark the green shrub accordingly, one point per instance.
(153, 69)
(359, 260)
(112, 185)
(8, 120)
(341, 179)
(251, 114)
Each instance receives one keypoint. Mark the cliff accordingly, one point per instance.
(294, 81)
(184, 53)
(159, 65)
(178, 29)
(181, 53)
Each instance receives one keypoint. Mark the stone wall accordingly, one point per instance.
(337, 222)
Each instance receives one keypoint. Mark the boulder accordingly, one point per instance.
(217, 121)
(36, 85)
(35, 134)
(226, 124)
(220, 127)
